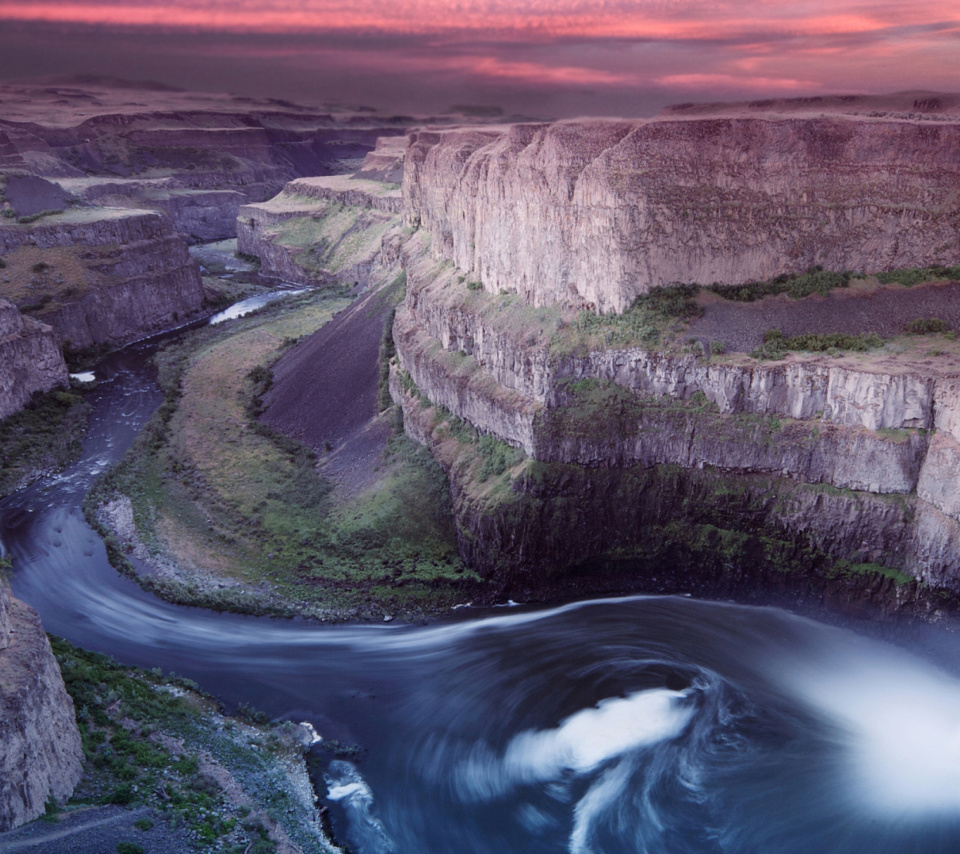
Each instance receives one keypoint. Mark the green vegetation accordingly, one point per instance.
(670, 302)
(496, 457)
(776, 345)
(647, 323)
(918, 275)
(26, 220)
(927, 326)
(143, 737)
(46, 434)
(216, 491)
(816, 280)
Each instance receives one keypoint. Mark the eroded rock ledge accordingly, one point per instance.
(102, 276)
(30, 359)
(827, 466)
(324, 231)
(42, 755)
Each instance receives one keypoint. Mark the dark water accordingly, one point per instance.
(638, 725)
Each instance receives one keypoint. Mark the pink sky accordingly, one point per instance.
(610, 49)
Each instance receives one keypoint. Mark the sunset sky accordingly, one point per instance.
(543, 57)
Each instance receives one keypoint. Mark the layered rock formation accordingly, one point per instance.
(811, 463)
(40, 750)
(101, 276)
(30, 359)
(196, 157)
(321, 231)
(593, 213)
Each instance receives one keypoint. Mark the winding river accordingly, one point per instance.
(632, 725)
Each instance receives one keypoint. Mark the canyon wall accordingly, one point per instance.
(30, 359)
(40, 750)
(101, 276)
(333, 230)
(593, 213)
(837, 465)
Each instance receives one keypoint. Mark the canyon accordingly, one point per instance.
(594, 439)
(639, 456)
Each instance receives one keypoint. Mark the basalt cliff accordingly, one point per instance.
(41, 756)
(594, 442)
(100, 276)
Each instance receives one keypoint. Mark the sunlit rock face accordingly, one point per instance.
(593, 213)
(40, 750)
(514, 231)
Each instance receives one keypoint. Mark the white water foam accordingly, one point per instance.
(582, 743)
(345, 784)
(589, 738)
(251, 304)
(900, 719)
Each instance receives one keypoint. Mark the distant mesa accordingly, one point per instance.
(478, 110)
(898, 104)
(98, 80)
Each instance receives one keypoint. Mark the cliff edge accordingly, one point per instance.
(40, 751)
(593, 213)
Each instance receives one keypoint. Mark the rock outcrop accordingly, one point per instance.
(593, 213)
(101, 276)
(30, 359)
(323, 231)
(834, 464)
(40, 751)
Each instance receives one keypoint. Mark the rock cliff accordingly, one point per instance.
(100, 276)
(322, 231)
(30, 359)
(593, 213)
(40, 750)
(834, 466)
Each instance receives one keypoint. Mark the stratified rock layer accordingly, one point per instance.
(829, 464)
(30, 359)
(593, 213)
(322, 231)
(135, 274)
(40, 751)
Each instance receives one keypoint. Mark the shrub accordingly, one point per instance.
(671, 301)
(129, 848)
(718, 348)
(776, 344)
(26, 220)
(816, 280)
(917, 275)
(927, 326)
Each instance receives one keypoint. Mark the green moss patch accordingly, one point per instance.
(45, 435)
(155, 740)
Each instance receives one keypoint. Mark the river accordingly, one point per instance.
(635, 725)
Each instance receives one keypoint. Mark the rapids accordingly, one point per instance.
(633, 725)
